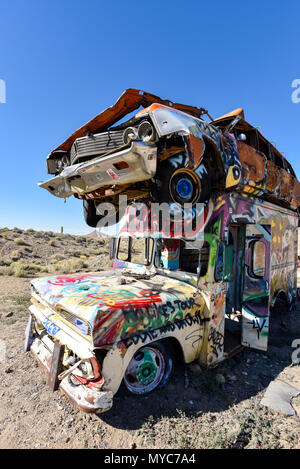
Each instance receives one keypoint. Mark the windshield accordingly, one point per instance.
(135, 250)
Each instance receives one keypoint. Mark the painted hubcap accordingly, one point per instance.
(184, 188)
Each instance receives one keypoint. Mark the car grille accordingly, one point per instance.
(71, 318)
(96, 145)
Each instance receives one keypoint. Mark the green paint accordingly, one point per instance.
(213, 237)
(228, 263)
(148, 369)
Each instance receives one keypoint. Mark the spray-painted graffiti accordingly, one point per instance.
(216, 341)
(179, 324)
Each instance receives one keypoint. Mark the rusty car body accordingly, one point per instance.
(101, 160)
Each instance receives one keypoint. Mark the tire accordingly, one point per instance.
(174, 183)
(150, 368)
(91, 216)
(89, 212)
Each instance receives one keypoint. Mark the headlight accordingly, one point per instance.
(146, 132)
(129, 134)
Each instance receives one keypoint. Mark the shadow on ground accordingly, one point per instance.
(195, 391)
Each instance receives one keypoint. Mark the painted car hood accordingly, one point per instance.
(117, 307)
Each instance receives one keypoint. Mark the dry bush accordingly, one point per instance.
(94, 251)
(20, 241)
(15, 255)
(20, 269)
(69, 266)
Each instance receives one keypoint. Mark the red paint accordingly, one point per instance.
(64, 279)
(109, 335)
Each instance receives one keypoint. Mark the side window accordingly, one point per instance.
(135, 250)
(258, 259)
(123, 249)
(189, 259)
(141, 251)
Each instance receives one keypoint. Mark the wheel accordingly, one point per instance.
(150, 368)
(92, 218)
(175, 183)
(89, 212)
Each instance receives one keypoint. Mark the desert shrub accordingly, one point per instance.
(15, 255)
(80, 239)
(38, 234)
(75, 253)
(20, 269)
(56, 258)
(5, 262)
(69, 266)
(94, 251)
(7, 270)
(20, 241)
(26, 249)
(51, 243)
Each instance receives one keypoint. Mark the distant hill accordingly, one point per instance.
(29, 252)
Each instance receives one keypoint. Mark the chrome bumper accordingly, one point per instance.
(138, 164)
(86, 399)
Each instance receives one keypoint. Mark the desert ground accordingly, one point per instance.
(217, 408)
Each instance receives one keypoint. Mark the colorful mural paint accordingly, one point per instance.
(120, 314)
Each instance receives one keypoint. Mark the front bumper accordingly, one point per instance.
(134, 164)
(86, 399)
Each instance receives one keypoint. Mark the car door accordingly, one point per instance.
(256, 286)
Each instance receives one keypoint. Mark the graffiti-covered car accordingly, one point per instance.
(108, 325)
(167, 152)
(166, 299)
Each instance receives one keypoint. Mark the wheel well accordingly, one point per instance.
(214, 158)
(177, 349)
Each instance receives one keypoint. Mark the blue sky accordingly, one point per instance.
(64, 61)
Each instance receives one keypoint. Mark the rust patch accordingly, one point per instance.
(171, 151)
(273, 177)
(253, 164)
(195, 149)
(286, 185)
(295, 200)
(129, 101)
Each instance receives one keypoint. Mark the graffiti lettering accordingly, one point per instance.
(216, 339)
(179, 324)
(256, 325)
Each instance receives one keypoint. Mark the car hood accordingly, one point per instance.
(117, 307)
